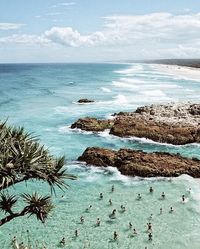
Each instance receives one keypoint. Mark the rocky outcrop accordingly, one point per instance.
(92, 124)
(173, 123)
(139, 163)
(85, 101)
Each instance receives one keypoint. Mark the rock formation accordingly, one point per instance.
(139, 163)
(84, 101)
(173, 123)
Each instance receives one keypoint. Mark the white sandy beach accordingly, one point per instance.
(179, 71)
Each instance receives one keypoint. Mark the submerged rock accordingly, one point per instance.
(173, 123)
(139, 163)
(84, 101)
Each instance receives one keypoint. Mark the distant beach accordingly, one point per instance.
(185, 72)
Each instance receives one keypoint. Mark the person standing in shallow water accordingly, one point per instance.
(110, 202)
(113, 188)
(150, 236)
(76, 233)
(101, 196)
(115, 235)
(98, 222)
(151, 190)
(163, 195)
(82, 219)
(183, 198)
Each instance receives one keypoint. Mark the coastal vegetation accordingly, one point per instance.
(23, 158)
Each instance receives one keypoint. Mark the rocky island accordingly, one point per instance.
(85, 101)
(139, 163)
(173, 123)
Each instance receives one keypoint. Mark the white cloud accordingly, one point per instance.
(68, 37)
(118, 30)
(24, 39)
(153, 35)
(10, 26)
(66, 4)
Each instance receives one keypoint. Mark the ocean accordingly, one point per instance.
(43, 99)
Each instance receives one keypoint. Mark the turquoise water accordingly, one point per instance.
(42, 97)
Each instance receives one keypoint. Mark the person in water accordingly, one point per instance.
(139, 197)
(76, 233)
(89, 208)
(150, 236)
(183, 198)
(123, 208)
(115, 235)
(62, 242)
(113, 214)
(163, 195)
(171, 210)
(101, 196)
(134, 231)
(149, 225)
(98, 222)
(113, 188)
(130, 225)
(151, 217)
(161, 210)
(110, 202)
(151, 190)
(82, 219)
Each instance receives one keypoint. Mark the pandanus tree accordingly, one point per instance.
(23, 158)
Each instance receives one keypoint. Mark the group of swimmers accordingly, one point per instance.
(123, 209)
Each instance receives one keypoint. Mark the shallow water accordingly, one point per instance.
(42, 98)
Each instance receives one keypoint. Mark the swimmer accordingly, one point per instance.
(150, 236)
(130, 225)
(113, 188)
(171, 210)
(149, 226)
(114, 211)
(134, 231)
(88, 209)
(139, 197)
(76, 233)
(163, 195)
(115, 235)
(113, 214)
(123, 208)
(151, 190)
(15, 243)
(82, 219)
(110, 202)
(98, 222)
(183, 198)
(151, 216)
(62, 242)
(101, 196)
(161, 210)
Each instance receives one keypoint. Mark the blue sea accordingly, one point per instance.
(43, 99)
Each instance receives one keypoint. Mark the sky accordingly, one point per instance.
(98, 30)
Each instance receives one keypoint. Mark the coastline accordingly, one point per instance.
(184, 72)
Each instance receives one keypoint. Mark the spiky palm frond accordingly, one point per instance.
(38, 205)
(7, 202)
(22, 158)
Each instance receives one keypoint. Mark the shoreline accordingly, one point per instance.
(184, 72)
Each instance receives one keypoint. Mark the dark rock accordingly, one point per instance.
(84, 101)
(92, 124)
(173, 123)
(139, 163)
